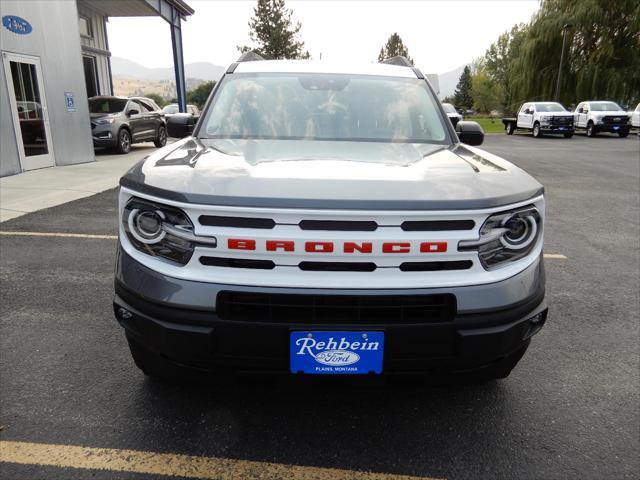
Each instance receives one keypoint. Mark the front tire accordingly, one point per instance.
(537, 131)
(509, 129)
(153, 364)
(591, 129)
(623, 134)
(161, 137)
(568, 135)
(124, 141)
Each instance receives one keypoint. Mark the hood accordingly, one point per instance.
(615, 113)
(327, 174)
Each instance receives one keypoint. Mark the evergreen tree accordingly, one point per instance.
(462, 95)
(393, 48)
(273, 32)
(198, 96)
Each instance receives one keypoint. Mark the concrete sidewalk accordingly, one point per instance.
(48, 187)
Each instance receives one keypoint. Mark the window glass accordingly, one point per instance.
(604, 106)
(146, 106)
(84, 25)
(449, 108)
(549, 107)
(171, 109)
(106, 105)
(324, 107)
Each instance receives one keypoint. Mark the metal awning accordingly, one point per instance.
(173, 11)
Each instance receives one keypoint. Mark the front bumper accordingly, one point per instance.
(557, 128)
(104, 136)
(162, 320)
(612, 128)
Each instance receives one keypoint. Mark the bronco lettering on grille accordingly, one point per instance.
(329, 247)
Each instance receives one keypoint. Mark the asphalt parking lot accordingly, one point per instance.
(570, 409)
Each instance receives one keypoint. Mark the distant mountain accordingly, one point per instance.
(449, 80)
(123, 68)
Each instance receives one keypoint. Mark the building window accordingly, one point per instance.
(84, 25)
(90, 75)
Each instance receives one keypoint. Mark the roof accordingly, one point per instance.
(315, 66)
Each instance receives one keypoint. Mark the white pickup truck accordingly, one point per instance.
(596, 117)
(541, 118)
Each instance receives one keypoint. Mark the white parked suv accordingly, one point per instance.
(328, 219)
(601, 116)
(541, 118)
(635, 117)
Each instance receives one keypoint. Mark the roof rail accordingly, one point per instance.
(250, 56)
(398, 60)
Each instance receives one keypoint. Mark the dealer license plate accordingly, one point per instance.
(336, 353)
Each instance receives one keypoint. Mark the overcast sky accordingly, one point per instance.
(440, 35)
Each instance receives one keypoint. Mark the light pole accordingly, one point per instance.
(566, 27)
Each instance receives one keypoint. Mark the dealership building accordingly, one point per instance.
(55, 55)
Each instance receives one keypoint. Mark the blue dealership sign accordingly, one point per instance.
(16, 24)
(331, 353)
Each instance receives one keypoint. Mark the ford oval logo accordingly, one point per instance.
(337, 357)
(16, 24)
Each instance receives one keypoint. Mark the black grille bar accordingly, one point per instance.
(337, 266)
(339, 225)
(236, 222)
(435, 266)
(335, 309)
(237, 263)
(437, 225)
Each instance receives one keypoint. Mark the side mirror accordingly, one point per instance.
(180, 125)
(133, 111)
(470, 133)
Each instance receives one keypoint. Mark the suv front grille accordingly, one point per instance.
(335, 309)
(615, 119)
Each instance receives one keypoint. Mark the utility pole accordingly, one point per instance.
(566, 27)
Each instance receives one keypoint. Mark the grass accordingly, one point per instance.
(488, 124)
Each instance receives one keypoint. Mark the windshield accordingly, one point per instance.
(449, 108)
(107, 105)
(170, 109)
(324, 107)
(604, 106)
(549, 107)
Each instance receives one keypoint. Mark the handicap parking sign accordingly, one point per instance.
(70, 102)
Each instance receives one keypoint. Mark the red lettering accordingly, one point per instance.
(274, 245)
(364, 247)
(433, 247)
(241, 244)
(400, 247)
(318, 247)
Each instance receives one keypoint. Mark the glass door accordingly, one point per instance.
(29, 110)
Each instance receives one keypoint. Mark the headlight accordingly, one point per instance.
(545, 118)
(506, 237)
(598, 118)
(161, 231)
(104, 121)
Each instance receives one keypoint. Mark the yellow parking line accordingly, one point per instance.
(53, 234)
(187, 466)
(556, 256)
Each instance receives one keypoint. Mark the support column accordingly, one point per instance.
(178, 62)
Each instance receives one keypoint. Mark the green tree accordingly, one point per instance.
(274, 33)
(156, 97)
(462, 95)
(487, 93)
(198, 96)
(393, 48)
(601, 59)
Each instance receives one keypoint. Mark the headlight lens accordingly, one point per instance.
(545, 118)
(104, 121)
(506, 237)
(161, 231)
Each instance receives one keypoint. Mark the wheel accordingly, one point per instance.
(591, 131)
(161, 137)
(568, 135)
(537, 132)
(509, 128)
(623, 134)
(124, 141)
